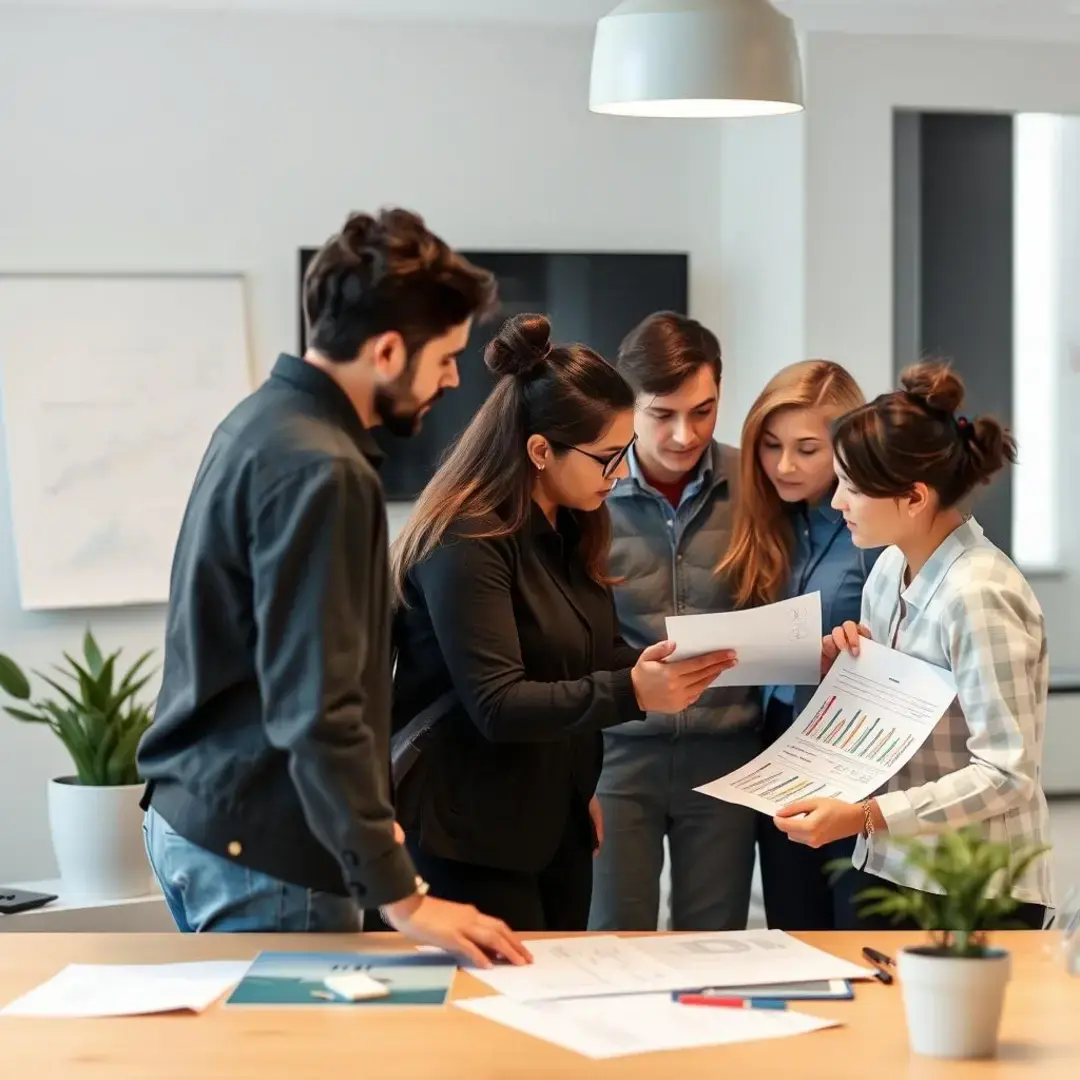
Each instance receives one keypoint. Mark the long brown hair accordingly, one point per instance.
(758, 561)
(914, 435)
(567, 393)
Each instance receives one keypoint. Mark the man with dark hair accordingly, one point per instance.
(671, 522)
(267, 763)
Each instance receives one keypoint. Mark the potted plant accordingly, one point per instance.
(94, 816)
(954, 987)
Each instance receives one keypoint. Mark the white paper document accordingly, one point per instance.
(778, 644)
(593, 966)
(608, 1027)
(866, 721)
(129, 989)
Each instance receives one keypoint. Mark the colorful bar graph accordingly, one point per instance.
(780, 786)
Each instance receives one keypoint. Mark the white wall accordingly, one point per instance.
(854, 83)
(166, 141)
(762, 255)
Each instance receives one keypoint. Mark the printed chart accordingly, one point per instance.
(773, 783)
(867, 720)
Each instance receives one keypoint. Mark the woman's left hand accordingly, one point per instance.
(597, 820)
(826, 820)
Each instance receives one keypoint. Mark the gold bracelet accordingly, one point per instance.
(868, 818)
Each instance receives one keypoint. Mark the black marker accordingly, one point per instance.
(881, 963)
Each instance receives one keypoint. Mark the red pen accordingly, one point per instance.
(731, 1002)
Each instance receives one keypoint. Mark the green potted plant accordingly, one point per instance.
(95, 822)
(954, 987)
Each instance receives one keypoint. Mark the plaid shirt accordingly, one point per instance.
(969, 610)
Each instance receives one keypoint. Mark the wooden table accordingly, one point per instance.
(1041, 1028)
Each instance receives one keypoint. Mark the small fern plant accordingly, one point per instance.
(977, 877)
(95, 711)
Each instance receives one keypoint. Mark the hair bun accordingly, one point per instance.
(936, 384)
(520, 347)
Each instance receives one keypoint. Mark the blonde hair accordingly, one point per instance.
(758, 561)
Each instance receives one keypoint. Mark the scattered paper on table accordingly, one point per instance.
(778, 644)
(607, 1027)
(593, 966)
(866, 721)
(129, 989)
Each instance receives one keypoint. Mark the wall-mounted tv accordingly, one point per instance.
(592, 297)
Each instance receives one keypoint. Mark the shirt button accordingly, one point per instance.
(235, 848)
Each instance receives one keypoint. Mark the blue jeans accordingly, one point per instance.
(206, 892)
(647, 793)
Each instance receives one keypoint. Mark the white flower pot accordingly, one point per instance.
(97, 839)
(953, 1004)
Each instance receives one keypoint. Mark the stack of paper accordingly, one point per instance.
(607, 996)
(604, 965)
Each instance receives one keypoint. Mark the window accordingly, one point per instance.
(1039, 343)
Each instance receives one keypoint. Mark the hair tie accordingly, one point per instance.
(966, 428)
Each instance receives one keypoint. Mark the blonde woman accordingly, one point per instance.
(787, 540)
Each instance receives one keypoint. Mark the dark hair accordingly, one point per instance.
(389, 273)
(914, 435)
(664, 350)
(568, 394)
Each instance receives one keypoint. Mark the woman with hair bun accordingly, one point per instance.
(942, 592)
(510, 662)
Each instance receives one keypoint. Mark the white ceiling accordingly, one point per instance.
(997, 18)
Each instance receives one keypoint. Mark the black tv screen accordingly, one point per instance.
(594, 298)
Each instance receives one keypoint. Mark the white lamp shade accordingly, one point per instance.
(695, 58)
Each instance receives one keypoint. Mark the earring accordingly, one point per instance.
(540, 467)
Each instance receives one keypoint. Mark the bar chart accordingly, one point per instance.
(774, 783)
(870, 715)
(856, 732)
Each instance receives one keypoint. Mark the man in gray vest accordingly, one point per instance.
(671, 522)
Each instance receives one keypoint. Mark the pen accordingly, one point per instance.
(731, 1003)
(882, 963)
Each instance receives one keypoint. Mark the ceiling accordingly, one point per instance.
(995, 18)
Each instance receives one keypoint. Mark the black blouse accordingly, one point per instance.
(530, 645)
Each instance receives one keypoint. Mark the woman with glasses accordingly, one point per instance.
(510, 662)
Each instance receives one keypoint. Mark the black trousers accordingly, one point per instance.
(557, 898)
(799, 894)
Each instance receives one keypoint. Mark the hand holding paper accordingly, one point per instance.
(842, 639)
(817, 822)
(664, 684)
(779, 644)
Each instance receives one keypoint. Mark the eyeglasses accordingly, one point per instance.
(610, 463)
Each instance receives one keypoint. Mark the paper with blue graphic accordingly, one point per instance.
(296, 978)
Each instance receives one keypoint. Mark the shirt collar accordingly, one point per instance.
(709, 471)
(567, 529)
(313, 381)
(927, 581)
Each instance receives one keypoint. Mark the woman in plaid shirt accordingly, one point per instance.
(942, 592)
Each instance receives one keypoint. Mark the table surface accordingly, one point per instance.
(1040, 1029)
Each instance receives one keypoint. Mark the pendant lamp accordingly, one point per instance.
(695, 58)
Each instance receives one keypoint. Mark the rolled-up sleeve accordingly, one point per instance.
(997, 654)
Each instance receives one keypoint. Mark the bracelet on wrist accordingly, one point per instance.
(868, 818)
